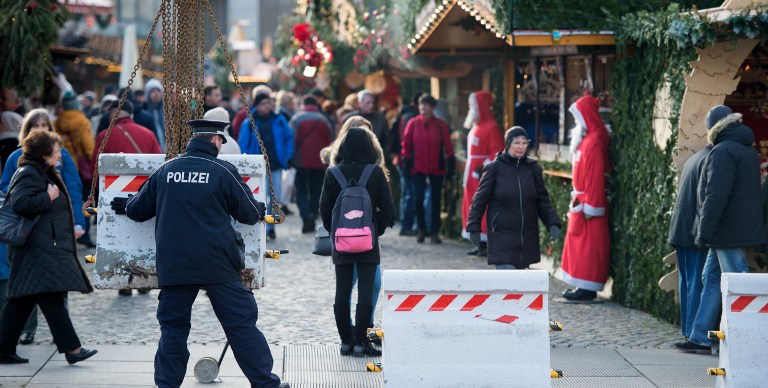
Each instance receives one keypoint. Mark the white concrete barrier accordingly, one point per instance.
(466, 329)
(744, 321)
(125, 252)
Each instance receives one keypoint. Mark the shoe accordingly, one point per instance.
(690, 347)
(579, 294)
(436, 239)
(308, 226)
(12, 359)
(26, 338)
(144, 290)
(346, 349)
(87, 242)
(409, 232)
(420, 238)
(366, 350)
(82, 356)
(286, 210)
(473, 252)
(271, 235)
(125, 292)
(482, 253)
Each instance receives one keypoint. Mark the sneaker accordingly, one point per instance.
(87, 242)
(144, 290)
(690, 347)
(420, 238)
(26, 338)
(286, 210)
(366, 350)
(346, 349)
(124, 292)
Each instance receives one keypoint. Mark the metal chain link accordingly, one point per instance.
(275, 203)
(180, 78)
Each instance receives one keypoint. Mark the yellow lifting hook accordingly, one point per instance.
(555, 374)
(374, 332)
(373, 367)
(716, 371)
(555, 326)
(714, 335)
(274, 253)
(90, 259)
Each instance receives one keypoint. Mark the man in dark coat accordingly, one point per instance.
(690, 259)
(729, 215)
(194, 198)
(512, 191)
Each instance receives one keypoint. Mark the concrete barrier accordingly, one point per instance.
(125, 252)
(743, 326)
(466, 329)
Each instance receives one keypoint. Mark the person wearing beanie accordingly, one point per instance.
(242, 115)
(277, 137)
(153, 92)
(513, 195)
(587, 251)
(484, 141)
(729, 215)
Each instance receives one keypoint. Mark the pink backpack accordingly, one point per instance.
(352, 228)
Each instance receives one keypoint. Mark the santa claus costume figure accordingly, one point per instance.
(586, 255)
(484, 141)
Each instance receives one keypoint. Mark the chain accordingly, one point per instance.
(275, 203)
(113, 120)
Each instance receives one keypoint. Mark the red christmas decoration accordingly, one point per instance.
(309, 47)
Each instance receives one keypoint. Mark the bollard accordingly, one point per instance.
(743, 323)
(466, 328)
(126, 249)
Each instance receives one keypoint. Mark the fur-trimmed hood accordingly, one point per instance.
(730, 128)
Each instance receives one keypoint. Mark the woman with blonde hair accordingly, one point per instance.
(351, 103)
(330, 155)
(39, 119)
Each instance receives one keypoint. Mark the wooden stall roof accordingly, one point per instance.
(458, 27)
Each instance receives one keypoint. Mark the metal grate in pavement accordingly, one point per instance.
(666, 357)
(309, 366)
(602, 382)
(678, 376)
(591, 362)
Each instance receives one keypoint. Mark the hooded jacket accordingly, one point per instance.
(75, 130)
(512, 191)
(355, 153)
(731, 207)
(48, 262)
(684, 215)
(155, 112)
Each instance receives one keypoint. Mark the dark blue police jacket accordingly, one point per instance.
(193, 197)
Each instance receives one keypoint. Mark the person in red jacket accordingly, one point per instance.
(428, 153)
(312, 132)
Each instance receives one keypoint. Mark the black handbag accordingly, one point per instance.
(322, 242)
(14, 228)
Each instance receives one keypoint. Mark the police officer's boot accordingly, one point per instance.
(343, 325)
(363, 347)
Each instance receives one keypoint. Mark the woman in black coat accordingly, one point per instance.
(358, 148)
(46, 267)
(512, 191)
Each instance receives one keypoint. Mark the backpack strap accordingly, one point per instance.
(366, 174)
(339, 176)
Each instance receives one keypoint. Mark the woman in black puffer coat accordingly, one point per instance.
(46, 267)
(358, 148)
(512, 191)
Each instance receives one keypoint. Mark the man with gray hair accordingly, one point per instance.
(379, 124)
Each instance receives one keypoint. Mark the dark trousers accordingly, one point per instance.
(366, 273)
(435, 194)
(17, 311)
(309, 183)
(407, 201)
(237, 312)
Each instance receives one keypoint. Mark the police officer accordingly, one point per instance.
(194, 197)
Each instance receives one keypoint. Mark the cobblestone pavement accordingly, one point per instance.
(295, 307)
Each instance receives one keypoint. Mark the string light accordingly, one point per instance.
(440, 12)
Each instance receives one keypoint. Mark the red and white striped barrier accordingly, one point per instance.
(126, 250)
(466, 328)
(745, 317)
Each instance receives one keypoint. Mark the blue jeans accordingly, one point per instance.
(433, 184)
(690, 263)
(376, 288)
(718, 261)
(237, 312)
(277, 179)
(407, 201)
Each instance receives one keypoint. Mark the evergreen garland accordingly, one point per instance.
(27, 30)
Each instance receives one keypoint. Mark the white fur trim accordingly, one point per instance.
(722, 125)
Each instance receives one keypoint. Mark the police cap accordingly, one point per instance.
(209, 126)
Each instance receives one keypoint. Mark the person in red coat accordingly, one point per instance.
(127, 136)
(428, 153)
(586, 255)
(484, 141)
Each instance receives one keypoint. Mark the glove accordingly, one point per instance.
(554, 232)
(118, 204)
(475, 238)
(262, 210)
